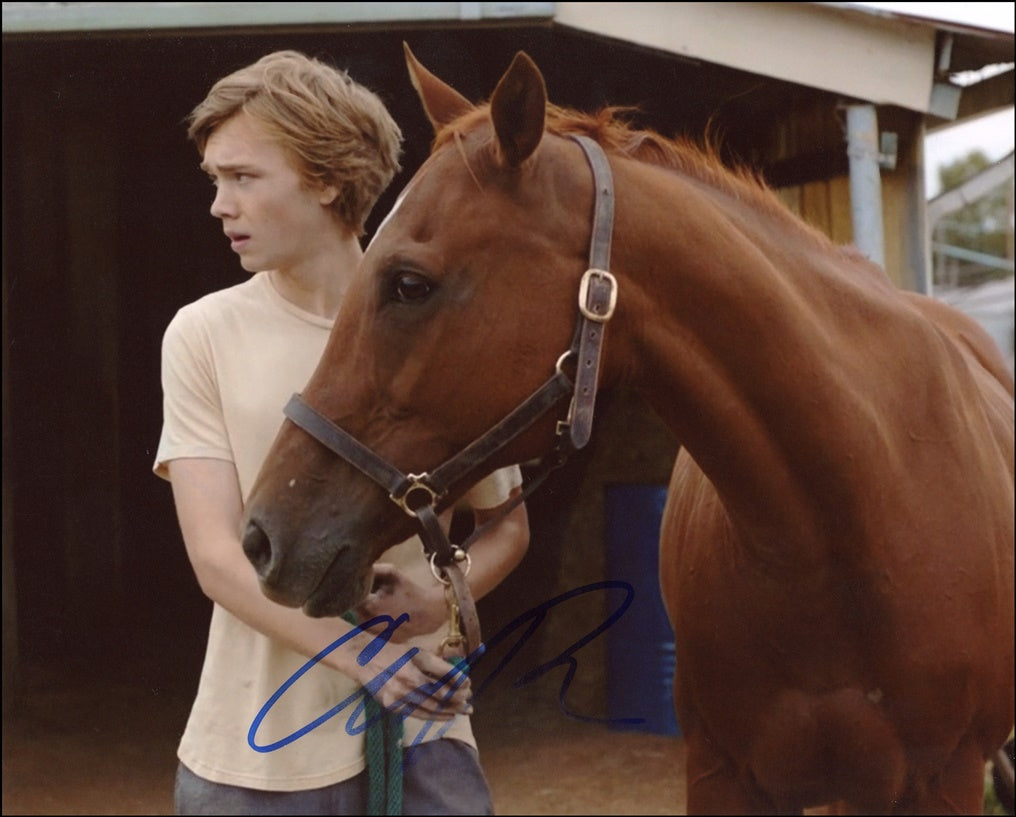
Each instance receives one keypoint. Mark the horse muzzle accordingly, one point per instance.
(324, 579)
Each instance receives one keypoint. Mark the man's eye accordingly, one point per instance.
(410, 287)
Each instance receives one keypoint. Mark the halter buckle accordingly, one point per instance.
(597, 311)
(415, 482)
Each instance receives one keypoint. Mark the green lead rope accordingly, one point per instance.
(384, 754)
(384, 751)
(384, 760)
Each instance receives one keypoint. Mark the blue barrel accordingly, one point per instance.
(640, 645)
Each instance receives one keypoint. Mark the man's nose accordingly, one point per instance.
(222, 204)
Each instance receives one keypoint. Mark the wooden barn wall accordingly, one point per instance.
(815, 140)
(568, 549)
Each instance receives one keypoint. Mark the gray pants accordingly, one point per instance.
(439, 777)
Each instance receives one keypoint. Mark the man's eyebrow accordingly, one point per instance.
(225, 168)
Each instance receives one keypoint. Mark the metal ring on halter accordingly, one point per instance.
(437, 571)
(417, 482)
(563, 425)
(559, 366)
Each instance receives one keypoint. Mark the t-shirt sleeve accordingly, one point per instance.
(192, 415)
(494, 489)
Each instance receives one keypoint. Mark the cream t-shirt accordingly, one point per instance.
(230, 361)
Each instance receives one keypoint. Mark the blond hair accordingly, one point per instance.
(339, 132)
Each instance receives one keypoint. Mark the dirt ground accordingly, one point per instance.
(106, 745)
(101, 746)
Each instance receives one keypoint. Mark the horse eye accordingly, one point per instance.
(410, 287)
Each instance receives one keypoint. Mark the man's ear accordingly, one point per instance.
(328, 195)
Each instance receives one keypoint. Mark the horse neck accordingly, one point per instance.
(732, 322)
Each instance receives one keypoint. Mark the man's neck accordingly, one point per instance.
(319, 284)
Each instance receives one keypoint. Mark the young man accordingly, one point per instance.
(298, 154)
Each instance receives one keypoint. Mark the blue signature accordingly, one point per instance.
(528, 623)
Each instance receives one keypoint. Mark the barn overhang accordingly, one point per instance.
(805, 43)
(884, 58)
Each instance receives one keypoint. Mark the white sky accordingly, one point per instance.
(987, 15)
(993, 133)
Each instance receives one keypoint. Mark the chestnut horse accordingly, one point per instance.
(836, 554)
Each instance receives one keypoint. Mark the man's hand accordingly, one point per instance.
(424, 685)
(396, 593)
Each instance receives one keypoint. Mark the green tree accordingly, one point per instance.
(984, 226)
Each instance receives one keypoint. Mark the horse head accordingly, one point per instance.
(442, 333)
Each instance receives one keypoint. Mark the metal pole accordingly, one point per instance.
(865, 181)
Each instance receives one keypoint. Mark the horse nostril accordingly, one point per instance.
(258, 547)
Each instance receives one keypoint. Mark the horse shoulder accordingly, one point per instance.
(984, 361)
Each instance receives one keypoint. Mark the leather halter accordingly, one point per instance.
(419, 494)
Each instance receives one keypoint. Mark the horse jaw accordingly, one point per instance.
(441, 102)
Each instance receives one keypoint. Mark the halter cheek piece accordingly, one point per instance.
(419, 494)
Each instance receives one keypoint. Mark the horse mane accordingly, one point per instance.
(611, 129)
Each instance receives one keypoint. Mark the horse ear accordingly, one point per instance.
(518, 108)
(441, 102)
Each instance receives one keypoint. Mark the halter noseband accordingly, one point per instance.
(418, 494)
